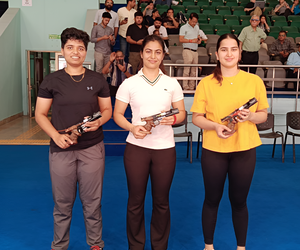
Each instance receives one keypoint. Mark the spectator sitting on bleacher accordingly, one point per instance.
(283, 9)
(293, 59)
(281, 48)
(266, 28)
(251, 9)
(148, 10)
(149, 20)
(170, 23)
(162, 30)
(114, 21)
(190, 36)
(295, 8)
(164, 2)
(156, 32)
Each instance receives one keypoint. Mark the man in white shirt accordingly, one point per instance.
(114, 21)
(190, 36)
(162, 30)
(126, 18)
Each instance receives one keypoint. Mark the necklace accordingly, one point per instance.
(74, 79)
(231, 82)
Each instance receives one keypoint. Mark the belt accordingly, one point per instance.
(194, 50)
(250, 51)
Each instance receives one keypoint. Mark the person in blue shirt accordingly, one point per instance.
(293, 59)
(295, 8)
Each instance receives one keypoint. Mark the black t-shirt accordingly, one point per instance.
(72, 101)
(249, 5)
(136, 34)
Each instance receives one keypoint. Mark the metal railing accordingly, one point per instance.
(172, 68)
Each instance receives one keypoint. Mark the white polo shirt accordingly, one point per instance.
(146, 99)
(162, 31)
(122, 13)
(113, 22)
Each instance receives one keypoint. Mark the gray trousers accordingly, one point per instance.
(101, 61)
(85, 167)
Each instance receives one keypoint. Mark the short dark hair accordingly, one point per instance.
(193, 14)
(158, 19)
(129, 1)
(74, 34)
(282, 31)
(154, 10)
(138, 13)
(170, 9)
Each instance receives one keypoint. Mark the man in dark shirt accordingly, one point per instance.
(281, 48)
(250, 7)
(149, 20)
(170, 23)
(135, 35)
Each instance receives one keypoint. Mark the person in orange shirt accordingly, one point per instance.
(226, 152)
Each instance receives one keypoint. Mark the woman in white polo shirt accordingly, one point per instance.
(153, 153)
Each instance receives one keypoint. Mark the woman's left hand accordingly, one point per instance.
(92, 126)
(244, 115)
(168, 120)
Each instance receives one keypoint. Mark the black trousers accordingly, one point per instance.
(250, 58)
(140, 163)
(239, 167)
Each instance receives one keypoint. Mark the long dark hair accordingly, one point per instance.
(153, 38)
(217, 73)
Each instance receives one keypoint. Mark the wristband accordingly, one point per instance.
(175, 118)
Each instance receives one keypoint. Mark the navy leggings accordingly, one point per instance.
(239, 166)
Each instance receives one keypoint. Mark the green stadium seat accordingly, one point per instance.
(207, 28)
(294, 18)
(271, 3)
(224, 12)
(293, 34)
(208, 7)
(243, 3)
(232, 22)
(200, 3)
(245, 17)
(216, 3)
(290, 29)
(187, 3)
(222, 27)
(230, 17)
(275, 29)
(295, 24)
(267, 11)
(209, 12)
(273, 34)
(278, 19)
(245, 22)
(216, 21)
(202, 18)
(280, 24)
(193, 11)
(214, 17)
(236, 29)
(238, 12)
(193, 7)
(232, 4)
(234, 8)
(220, 7)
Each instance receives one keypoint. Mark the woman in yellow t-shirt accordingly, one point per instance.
(225, 153)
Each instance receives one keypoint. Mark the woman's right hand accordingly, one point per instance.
(220, 131)
(139, 132)
(62, 140)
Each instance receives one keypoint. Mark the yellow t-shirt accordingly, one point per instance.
(218, 101)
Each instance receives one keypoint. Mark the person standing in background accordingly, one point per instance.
(135, 35)
(190, 36)
(113, 22)
(102, 36)
(126, 18)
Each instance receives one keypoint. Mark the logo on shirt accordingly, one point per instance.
(165, 90)
(89, 88)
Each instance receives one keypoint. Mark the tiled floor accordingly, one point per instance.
(23, 131)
